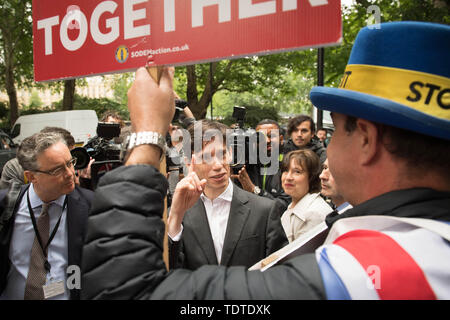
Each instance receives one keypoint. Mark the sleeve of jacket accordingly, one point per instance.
(275, 235)
(123, 252)
(323, 155)
(125, 235)
(12, 171)
(282, 198)
(298, 278)
(176, 254)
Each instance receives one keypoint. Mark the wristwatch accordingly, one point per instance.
(256, 190)
(147, 137)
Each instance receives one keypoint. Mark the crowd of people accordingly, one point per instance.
(381, 185)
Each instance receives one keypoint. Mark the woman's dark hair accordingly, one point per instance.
(309, 161)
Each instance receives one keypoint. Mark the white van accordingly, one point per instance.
(82, 124)
(327, 122)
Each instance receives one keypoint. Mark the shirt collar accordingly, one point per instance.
(37, 202)
(343, 207)
(227, 195)
(305, 202)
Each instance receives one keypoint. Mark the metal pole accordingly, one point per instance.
(211, 85)
(320, 56)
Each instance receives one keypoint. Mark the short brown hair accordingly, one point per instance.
(309, 161)
(206, 125)
(114, 115)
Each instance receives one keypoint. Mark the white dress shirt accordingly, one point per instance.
(22, 242)
(217, 212)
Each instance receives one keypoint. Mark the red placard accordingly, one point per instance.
(76, 38)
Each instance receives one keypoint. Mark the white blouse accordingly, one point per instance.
(307, 213)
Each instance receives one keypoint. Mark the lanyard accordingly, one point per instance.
(47, 265)
(264, 178)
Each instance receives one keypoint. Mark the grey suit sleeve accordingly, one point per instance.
(275, 235)
(12, 171)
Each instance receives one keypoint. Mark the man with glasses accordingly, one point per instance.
(13, 171)
(45, 233)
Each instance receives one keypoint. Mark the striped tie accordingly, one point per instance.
(37, 274)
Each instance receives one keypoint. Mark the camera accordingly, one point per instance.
(173, 157)
(243, 142)
(102, 149)
(179, 110)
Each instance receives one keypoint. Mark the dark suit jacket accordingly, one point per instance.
(253, 232)
(78, 206)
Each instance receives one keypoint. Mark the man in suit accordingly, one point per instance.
(35, 251)
(219, 223)
(13, 171)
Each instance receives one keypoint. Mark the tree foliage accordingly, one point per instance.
(16, 49)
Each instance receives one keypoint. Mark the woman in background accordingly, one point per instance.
(300, 179)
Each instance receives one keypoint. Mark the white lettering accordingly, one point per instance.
(289, 5)
(130, 16)
(169, 15)
(197, 10)
(374, 280)
(76, 44)
(316, 3)
(47, 25)
(247, 9)
(74, 280)
(112, 23)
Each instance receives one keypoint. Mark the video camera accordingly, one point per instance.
(107, 155)
(243, 142)
(179, 110)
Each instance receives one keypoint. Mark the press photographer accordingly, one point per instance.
(263, 175)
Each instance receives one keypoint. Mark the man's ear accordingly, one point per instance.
(30, 176)
(368, 140)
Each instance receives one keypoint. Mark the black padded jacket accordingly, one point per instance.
(123, 252)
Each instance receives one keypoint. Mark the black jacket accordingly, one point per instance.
(78, 205)
(123, 251)
(314, 145)
(272, 188)
(253, 232)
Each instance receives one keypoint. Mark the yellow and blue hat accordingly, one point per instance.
(397, 75)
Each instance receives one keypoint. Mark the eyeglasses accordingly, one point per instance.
(59, 170)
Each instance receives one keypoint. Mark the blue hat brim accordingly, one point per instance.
(369, 107)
